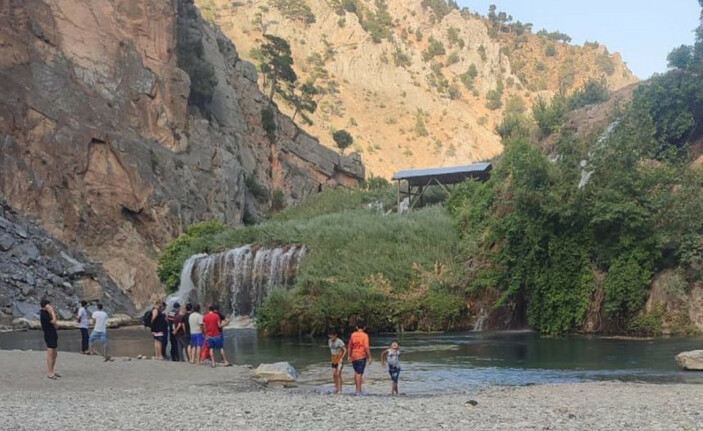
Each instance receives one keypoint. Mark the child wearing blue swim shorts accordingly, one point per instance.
(392, 356)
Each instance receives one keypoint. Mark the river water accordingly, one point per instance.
(437, 363)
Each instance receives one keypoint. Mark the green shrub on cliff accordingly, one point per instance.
(192, 241)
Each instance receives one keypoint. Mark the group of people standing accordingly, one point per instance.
(193, 337)
(359, 355)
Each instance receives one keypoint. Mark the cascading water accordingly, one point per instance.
(586, 171)
(238, 279)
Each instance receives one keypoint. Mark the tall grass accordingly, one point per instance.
(361, 262)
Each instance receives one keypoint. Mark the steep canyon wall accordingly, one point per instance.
(99, 144)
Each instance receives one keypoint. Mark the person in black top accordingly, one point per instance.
(159, 330)
(47, 317)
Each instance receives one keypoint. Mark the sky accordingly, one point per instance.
(643, 31)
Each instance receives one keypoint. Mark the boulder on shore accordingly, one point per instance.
(278, 372)
(116, 321)
(692, 361)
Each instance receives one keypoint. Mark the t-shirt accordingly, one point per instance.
(337, 350)
(83, 316)
(186, 322)
(212, 325)
(177, 321)
(393, 358)
(46, 325)
(358, 345)
(195, 320)
(100, 318)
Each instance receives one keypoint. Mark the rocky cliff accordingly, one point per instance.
(33, 265)
(103, 144)
(417, 83)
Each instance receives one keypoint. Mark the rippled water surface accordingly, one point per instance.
(438, 363)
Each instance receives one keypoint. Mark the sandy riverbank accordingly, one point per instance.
(140, 394)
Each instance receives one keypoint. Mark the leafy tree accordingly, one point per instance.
(302, 98)
(276, 64)
(343, 139)
(434, 49)
(295, 9)
(681, 57)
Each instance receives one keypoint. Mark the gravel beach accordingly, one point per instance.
(146, 394)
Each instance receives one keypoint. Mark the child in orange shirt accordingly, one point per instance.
(359, 353)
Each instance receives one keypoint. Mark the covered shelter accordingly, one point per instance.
(419, 180)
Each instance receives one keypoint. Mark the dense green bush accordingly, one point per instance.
(295, 9)
(434, 49)
(535, 234)
(440, 8)
(191, 242)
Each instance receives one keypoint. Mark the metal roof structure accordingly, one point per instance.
(419, 180)
(448, 175)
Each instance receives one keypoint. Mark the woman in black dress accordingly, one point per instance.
(47, 317)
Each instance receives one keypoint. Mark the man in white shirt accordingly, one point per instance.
(196, 335)
(84, 326)
(99, 333)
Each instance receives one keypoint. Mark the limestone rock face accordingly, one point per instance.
(405, 107)
(278, 372)
(692, 360)
(99, 144)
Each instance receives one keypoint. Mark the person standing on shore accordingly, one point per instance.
(337, 350)
(159, 330)
(48, 320)
(196, 335)
(99, 334)
(359, 354)
(180, 332)
(213, 335)
(171, 318)
(393, 357)
(83, 325)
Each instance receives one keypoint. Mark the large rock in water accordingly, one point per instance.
(692, 361)
(278, 372)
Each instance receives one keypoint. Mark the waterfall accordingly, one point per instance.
(238, 279)
(586, 171)
(186, 287)
(480, 324)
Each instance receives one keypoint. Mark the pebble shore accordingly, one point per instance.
(142, 394)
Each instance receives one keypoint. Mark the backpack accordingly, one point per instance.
(146, 319)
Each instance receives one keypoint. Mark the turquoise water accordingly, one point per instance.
(434, 363)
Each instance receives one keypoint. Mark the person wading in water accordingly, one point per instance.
(359, 354)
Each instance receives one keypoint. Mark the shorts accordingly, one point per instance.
(359, 366)
(51, 340)
(338, 366)
(183, 339)
(100, 337)
(158, 336)
(216, 342)
(197, 340)
(394, 372)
